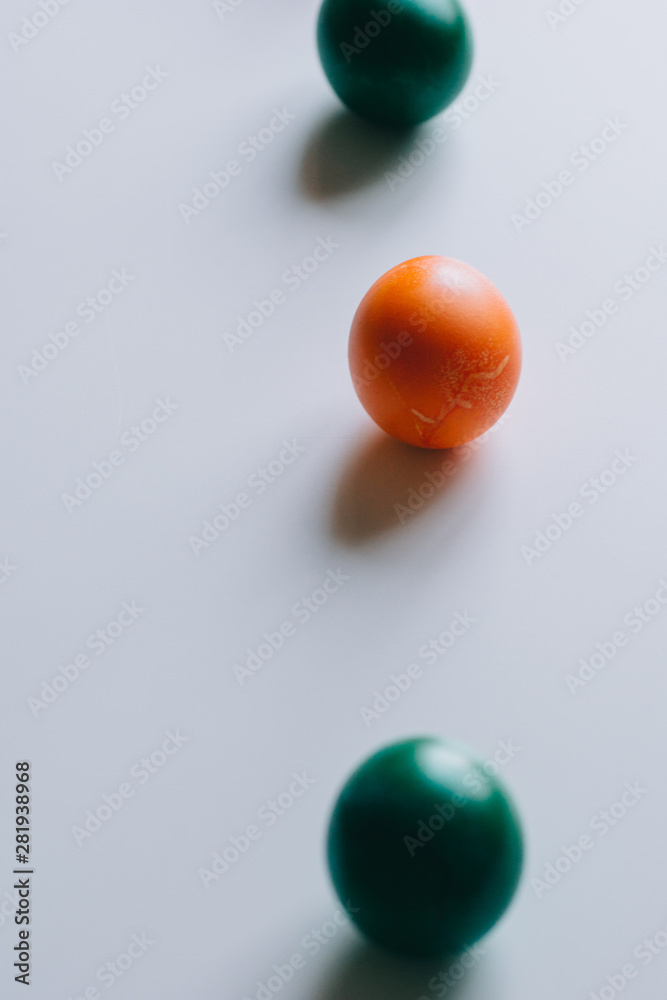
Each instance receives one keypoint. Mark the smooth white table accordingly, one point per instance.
(133, 290)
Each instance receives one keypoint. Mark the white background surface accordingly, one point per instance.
(333, 509)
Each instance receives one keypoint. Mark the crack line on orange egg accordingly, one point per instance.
(458, 401)
(403, 402)
(427, 420)
(487, 375)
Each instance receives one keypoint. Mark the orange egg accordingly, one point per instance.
(435, 353)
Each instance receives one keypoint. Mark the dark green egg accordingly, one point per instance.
(425, 848)
(398, 62)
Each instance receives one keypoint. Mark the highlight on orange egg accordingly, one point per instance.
(435, 352)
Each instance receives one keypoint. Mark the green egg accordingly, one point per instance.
(425, 848)
(397, 62)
